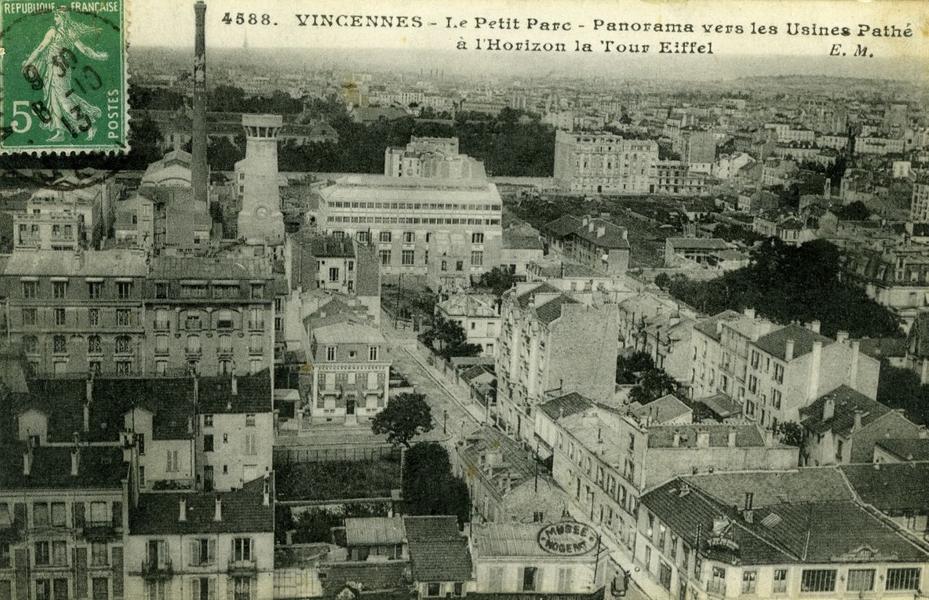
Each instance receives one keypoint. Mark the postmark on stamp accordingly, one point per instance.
(63, 76)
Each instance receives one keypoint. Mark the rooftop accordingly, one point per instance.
(347, 332)
(891, 487)
(565, 406)
(845, 402)
(438, 552)
(746, 435)
(664, 409)
(242, 511)
(491, 540)
(684, 243)
(195, 267)
(99, 467)
(374, 531)
(88, 263)
(252, 395)
(907, 449)
(598, 232)
(775, 343)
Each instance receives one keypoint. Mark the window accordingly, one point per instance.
(161, 290)
(241, 549)
(59, 344)
(207, 420)
(778, 373)
(903, 579)
(123, 344)
(59, 518)
(565, 579)
(384, 236)
(42, 553)
(477, 258)
(779, 585)
(123, 290)
(251, 444)
(242, 588)
(817, 580)
(664, 575)
(59, 289)
(258, 290)
(408, 257)
(208, 442)
(748, 581)
(60, 553)
(98, 554)
(459, 589)
(172, 464)
(372, 352)
(123, 317)
(529, 579)
(30, 289)
(249, 420)
(717, 582)
(459, 265)
(256, 319)
(29, 316)
(202, 552)
(193, 322)
(330, 353)
(433, 589)
(385, 257)
(43, 589)
(255, 344)
(203, 588)
(30, 344)
(60, 316)
(93, 317)
(860, 580)
(409, 237)
(224, 320)
(193, 344)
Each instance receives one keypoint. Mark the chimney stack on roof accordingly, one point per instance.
(841, 336)
(218, 509)
(182, 510)
(676, 440)
(235, 385)
(749, 312)
(703, 439)
(857, 425)
(789, 350)
(730, 439)
(814, 326)
(27, 460)
(828, 408)
(75, 461)
(601, 231)
(266, 491)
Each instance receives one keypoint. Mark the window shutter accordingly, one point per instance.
(232, 556)
(117, 514)
(194, 552)
(211, 550)
(194, 589)
(77, 510)
(230, 588)
(212, 588)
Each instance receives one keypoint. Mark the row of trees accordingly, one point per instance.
(788, 283)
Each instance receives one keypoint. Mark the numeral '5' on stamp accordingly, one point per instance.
(63, 77)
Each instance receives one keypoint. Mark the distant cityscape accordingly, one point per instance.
(334, 329)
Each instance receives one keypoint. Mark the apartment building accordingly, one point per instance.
(795, 534)
(596, 162)
(234, 425)
(596, 243)
(47, 226)
(605, 459)
(63, 514)
(844, 426)
(896, 277)
(78, 312)
(772, 371)
(209, 316)
(413, 220)
(350, 372)
(551, 343)
(478, 315)
(919, 203)
(202, 545)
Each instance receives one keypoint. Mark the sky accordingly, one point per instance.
(170, 23)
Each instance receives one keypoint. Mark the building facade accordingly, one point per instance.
(590, 162)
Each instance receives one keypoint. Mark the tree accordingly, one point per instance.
(629, 368)
(448, 339)
(789, 433)
(654, 384)
(498, 279)
(856, 211)
(429, 488)
(405, 417)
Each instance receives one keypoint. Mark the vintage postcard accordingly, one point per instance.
(487, 299)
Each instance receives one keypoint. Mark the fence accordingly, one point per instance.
(309, 454)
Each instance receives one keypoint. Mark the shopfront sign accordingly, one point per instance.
(567, 538)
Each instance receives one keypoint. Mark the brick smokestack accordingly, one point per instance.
(199, 170)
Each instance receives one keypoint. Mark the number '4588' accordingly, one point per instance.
(246, 18)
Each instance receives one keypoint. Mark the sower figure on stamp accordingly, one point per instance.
(53, 59)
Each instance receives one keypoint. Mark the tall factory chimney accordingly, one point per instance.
(199, 169)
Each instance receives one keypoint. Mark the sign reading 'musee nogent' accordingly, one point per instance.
(567, 538)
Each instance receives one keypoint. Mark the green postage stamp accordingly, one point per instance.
(63, 76)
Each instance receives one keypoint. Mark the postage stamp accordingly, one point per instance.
(63, 77)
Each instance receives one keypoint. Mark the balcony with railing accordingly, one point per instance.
(100, 531)
(243, 567)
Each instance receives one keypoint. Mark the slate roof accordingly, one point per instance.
(372, 577)
(662, 410)
(100, 467)
(348, 332)
(775, 343)
(170, 401)
(708, 326)
(499, 539)
(253, 394)
(565, 406)
(721, 405)
(242, 511)
(197, 267)
(551, 310)
(330, 246)
(367, 272)
(89, 263)
(746, 435)
(818, 532)
(773, 487)
(908, 449)
(846, 402)
(918, 337)
(524, 298)
(891, 487)
(438, 552)
(613, 236)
